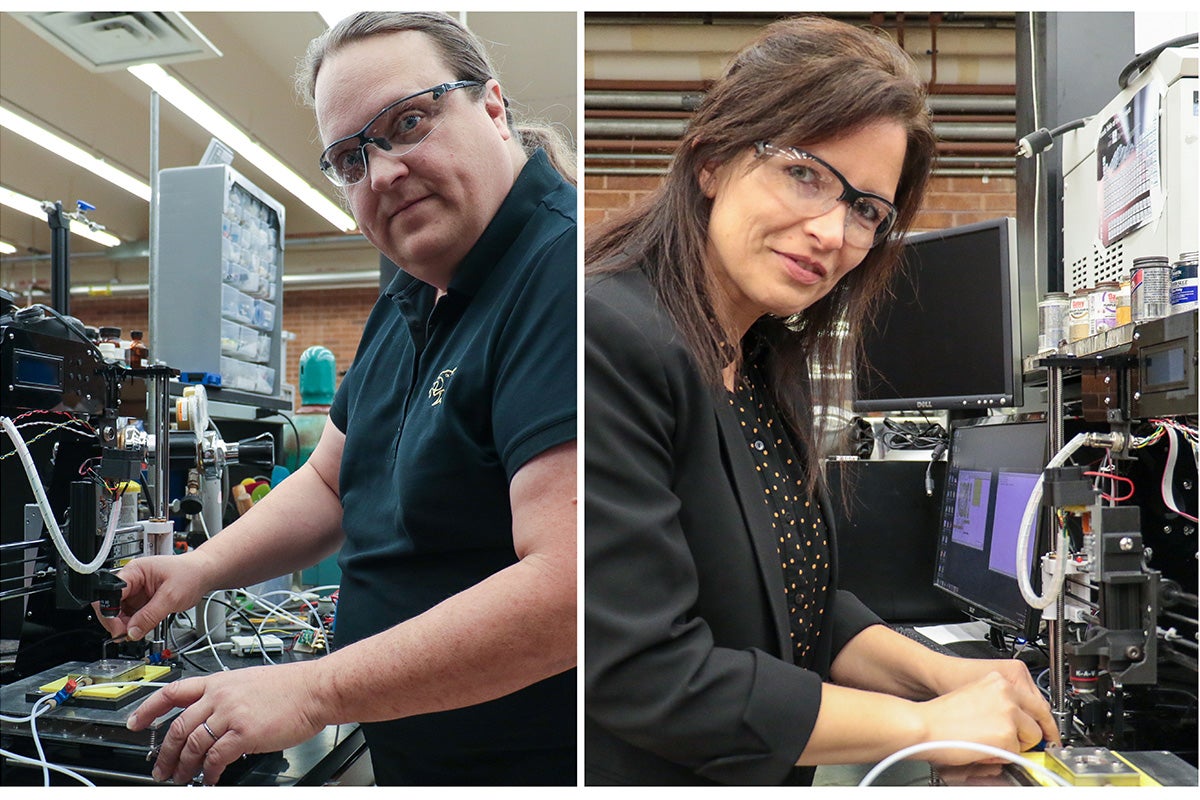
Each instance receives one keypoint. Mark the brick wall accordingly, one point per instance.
(329, 317)
(949, 202)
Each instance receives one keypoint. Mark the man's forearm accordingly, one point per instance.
(511, 630)
(294, 526)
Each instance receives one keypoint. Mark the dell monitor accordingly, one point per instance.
(993, 467)
(950, 338)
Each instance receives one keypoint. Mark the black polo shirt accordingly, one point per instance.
(444, 403)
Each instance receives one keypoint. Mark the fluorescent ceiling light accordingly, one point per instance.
(182, 98)
(61, 147)
(6, 248)
(27, 205)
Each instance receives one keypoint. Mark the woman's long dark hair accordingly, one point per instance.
(802, 81)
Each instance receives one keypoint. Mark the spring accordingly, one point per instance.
(153, 751)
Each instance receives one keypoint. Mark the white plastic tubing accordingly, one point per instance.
(35, 483)
(986, 749)
(1025, 534)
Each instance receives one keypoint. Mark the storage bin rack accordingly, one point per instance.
(216, 308)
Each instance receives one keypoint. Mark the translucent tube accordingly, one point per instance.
(1025, 533)
(986, 749)
(35, 483)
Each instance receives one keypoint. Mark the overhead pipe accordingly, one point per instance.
(141, 249)
(703, 85)
(315, 280)
(941, 101)
(674, 128)
(947, 161)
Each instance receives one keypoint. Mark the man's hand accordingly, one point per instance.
(155, 587)
(227, 714)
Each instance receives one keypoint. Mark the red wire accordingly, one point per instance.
(1115, 477)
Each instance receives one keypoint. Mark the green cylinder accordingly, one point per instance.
(318, 376)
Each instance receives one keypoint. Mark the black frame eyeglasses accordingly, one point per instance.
(821, 195)
(342, 168)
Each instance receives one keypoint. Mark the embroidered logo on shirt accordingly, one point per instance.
(439, 386)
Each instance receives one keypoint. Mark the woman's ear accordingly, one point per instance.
(709, 179)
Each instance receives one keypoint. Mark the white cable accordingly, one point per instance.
(271, 608)
(1168, 478)
(46, 765)
(203, 524)
(20, 720)
(1028, 520)
(318, 628)
(986, 749)
(193, 650)
(35, 483)
(37, 740)
(231, 613)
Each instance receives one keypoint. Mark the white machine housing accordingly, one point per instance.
(1086, 260)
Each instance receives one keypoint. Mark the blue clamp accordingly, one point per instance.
(205, 378)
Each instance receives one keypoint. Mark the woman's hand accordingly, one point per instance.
(955, 673)
(227, 714)
(995, 709)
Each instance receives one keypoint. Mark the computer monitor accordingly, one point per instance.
(950, 338)
(993, 466)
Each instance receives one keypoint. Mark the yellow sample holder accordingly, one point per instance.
(1089, 766)
(112, 680)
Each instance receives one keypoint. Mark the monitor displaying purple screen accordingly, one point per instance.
(993, 466)
(1012, 493)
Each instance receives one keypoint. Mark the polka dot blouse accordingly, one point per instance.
(801, 537)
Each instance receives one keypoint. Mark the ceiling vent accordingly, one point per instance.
(103, 41)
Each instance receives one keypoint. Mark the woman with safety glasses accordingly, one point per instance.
(717, 646)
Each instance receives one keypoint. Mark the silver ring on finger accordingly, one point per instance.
(209, 731)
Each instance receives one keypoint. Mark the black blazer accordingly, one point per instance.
(689, 675)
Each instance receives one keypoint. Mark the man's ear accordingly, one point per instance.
(497, 107)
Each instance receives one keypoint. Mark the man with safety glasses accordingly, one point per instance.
(446, 473)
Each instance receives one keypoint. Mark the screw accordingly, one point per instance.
(1133, 652)
(1187, 484)
(1108, 379)
(1126, 544)
(1137, 395)
(1166, 528)
(1137, 335)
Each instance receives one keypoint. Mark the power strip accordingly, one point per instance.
(249, 645)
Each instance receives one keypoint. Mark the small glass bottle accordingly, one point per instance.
(110, 344)
(139, 353)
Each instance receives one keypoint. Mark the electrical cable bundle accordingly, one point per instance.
(911, 436)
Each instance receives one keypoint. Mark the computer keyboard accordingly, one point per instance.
(972, 648)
